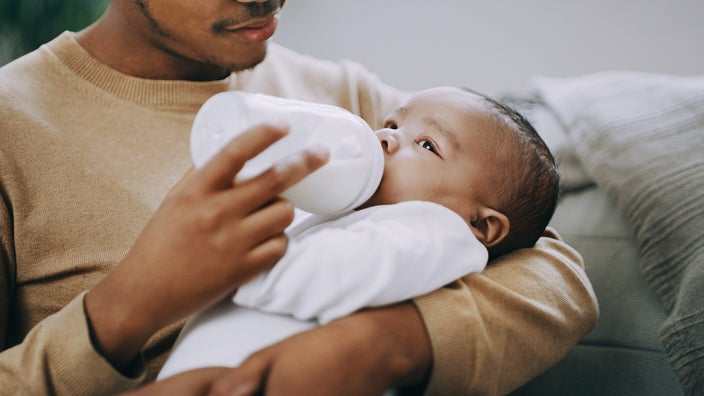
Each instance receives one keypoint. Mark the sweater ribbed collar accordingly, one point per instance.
(139, 90)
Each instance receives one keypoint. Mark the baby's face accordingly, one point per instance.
(434, 151)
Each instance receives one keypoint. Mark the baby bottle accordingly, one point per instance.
(356, 158)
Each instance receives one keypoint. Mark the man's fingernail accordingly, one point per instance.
(320, 151)
(281, 124)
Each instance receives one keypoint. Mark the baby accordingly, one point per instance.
(465, 179)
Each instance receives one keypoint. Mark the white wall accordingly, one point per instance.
(497, 45)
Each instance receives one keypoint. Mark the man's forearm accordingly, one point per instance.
(397, 337)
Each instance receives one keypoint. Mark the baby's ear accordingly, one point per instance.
(490, 226)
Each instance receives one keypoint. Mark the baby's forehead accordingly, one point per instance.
(448, 92)
(449, 97)
(451, 101)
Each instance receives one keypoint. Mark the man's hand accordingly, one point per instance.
(209, 236)
(363, 354)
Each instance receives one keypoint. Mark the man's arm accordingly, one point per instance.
(208, 229)
(359, 354)
(494, 331)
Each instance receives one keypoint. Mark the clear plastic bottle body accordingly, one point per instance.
(356, 157)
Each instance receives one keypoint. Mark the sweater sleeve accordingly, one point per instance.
(56, 354)
(493, 331)
(373, 257)
(7, 273)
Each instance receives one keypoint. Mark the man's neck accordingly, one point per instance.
(127, 52)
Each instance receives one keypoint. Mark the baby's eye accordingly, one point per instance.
(390, 125)
(428, 145)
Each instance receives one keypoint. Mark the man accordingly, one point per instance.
(95, 133)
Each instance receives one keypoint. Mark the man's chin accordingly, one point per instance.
(249, 62)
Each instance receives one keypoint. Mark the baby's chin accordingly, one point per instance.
(370, 202)
(378, 199)
(375, 200)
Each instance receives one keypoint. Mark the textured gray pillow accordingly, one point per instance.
(640, 137)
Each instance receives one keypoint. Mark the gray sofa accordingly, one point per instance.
(630, 148)
(623, 354)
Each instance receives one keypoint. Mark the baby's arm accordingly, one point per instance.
(372, 257)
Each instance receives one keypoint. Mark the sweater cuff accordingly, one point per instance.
(73, 363)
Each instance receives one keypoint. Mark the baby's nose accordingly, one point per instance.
(388, 139)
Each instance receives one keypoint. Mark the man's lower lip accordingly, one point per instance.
(258, 34)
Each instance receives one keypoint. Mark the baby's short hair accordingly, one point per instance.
(529, 195)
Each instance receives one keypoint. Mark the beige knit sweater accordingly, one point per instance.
(86, 156)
